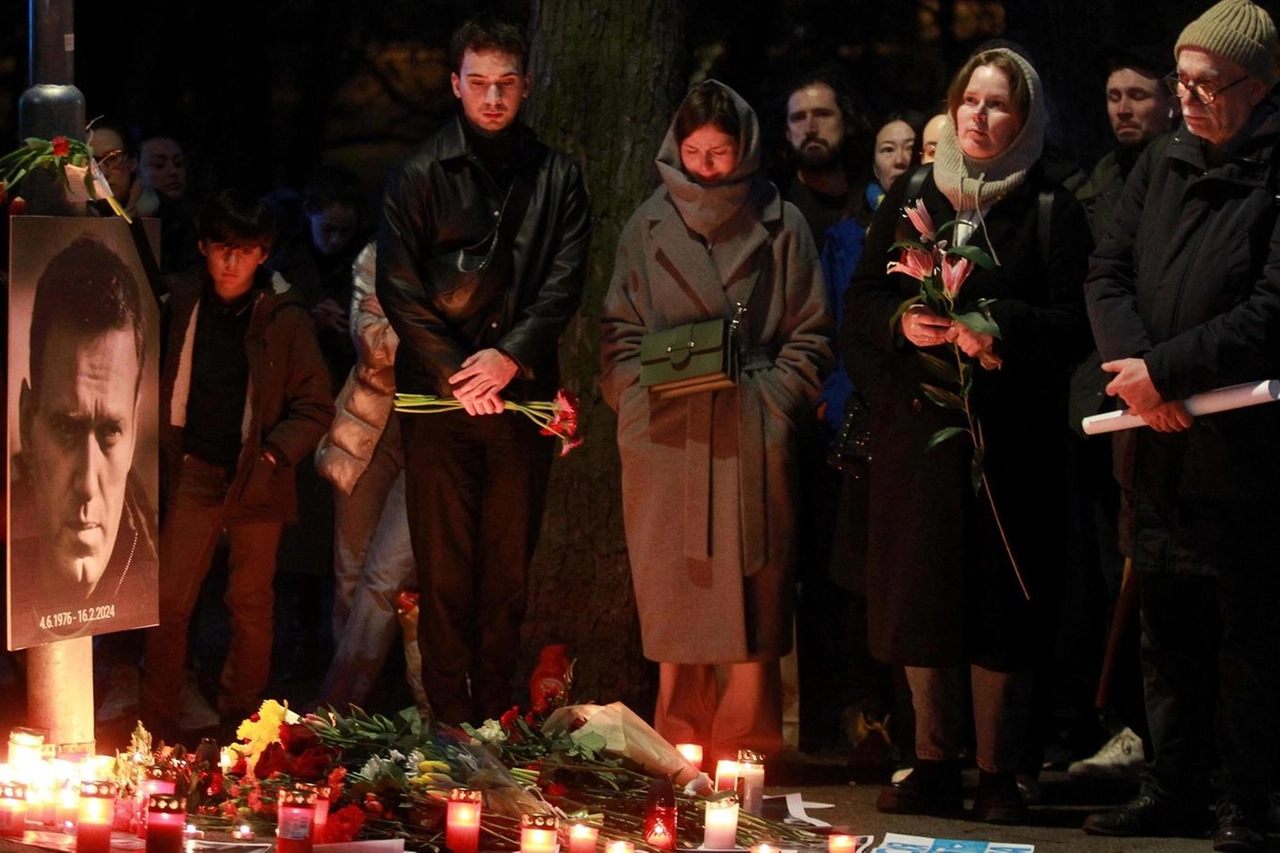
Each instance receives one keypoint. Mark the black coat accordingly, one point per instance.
(940, 589)
(440, 202)
(1188, 279)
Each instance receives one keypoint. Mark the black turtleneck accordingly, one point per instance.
(496, 151)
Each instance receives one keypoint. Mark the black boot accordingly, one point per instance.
(998, 799)
(1152, 813)
(1242, 825)
(933, 788)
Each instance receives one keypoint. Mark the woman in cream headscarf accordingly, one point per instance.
(708, 480)
(944, 599)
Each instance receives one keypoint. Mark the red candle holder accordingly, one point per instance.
(321, 815)
(97, 809)
(660, 816)
(462, 820)
(295, 816)
(13, 809)
(166, 820)
(155, 780)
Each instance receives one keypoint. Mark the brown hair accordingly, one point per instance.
(707, 103)
(1019, 90)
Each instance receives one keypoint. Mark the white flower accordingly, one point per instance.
(491, 732)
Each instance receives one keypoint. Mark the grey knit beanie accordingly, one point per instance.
(1237, 30)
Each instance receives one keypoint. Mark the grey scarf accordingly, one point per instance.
(973, 184)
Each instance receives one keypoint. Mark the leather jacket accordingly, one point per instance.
(441, 208)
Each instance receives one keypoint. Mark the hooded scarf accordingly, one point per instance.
(712, 210)
(974, 184)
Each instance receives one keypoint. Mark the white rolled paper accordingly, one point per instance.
(1217, 400)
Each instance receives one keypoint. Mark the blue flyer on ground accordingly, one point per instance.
(895, 843)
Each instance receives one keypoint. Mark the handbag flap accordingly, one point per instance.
(679, 344)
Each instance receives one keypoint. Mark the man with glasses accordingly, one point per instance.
(1184, 297)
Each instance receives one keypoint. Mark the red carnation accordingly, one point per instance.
(344, 824)
(61, 147)
(509, 718)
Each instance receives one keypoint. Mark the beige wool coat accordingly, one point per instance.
(709, 480)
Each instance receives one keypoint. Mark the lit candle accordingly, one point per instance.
(692, 753)
(841, 843)
(538, 834)
(96, 806)
(764, 847)
(462, 821)
(26, 753)
(620, 847)
(582, 838)
(225, 761)
(67, 797)
(242, 833)
(155, 780)
(726, 774)
(721, 825)
(660, 815)
(750, 785)
(190, 833)
(166, 820)
(13, 809)
(297, 809)
(41, 796)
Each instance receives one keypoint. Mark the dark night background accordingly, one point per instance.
(262, 93)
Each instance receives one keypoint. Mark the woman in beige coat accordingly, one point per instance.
(708, 480)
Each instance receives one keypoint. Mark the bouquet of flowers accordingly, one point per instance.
(68, 161)
(942, 268)
(558, 417)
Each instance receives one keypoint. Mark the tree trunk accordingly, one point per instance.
(605, 79)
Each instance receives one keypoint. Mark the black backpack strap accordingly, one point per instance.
(1044, 219)
(915, 183)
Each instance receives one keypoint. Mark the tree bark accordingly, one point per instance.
(605, 79)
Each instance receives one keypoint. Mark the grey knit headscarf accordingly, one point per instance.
(971, 184)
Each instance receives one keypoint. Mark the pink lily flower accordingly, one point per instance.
(921, 219)
(916, 263)
(954, 272)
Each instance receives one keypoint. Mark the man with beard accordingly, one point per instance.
(823, 129)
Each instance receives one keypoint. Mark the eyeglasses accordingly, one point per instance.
(1203, 91)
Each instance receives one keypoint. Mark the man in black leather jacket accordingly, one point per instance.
(482, 251)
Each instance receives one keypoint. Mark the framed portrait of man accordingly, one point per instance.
(83, 377)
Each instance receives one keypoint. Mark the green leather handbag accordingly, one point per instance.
(689, 359)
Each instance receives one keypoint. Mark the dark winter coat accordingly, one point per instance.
(940, 588)
(1188, 279)
(441, 201)
(289, 403)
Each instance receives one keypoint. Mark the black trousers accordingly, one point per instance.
(475, 489)
(1211, 668)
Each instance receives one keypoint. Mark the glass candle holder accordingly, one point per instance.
(96, 808)
(538, 834)
(750, 784)
(13, 809)
(155, 780)
(720, 830)
(26, 753)
(243, 832)
(296, 813)
(726, 775)
(166, 818)
(582, 838)
(321, 815)
(660, 816)
(67, 804)
(620, 847)
(462, 820)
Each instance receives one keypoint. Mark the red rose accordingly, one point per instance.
(298, 738)
(273, 760)
(313, 764)
(18, 206)
(509, 718)
(555, 790)
(61, 147)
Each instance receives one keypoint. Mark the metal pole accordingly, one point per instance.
(59, 675)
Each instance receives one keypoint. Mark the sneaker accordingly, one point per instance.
(194, 713)
(1150, 814)
(998, 799)
(1120, 758)
(1241, 828)
(123, 689)
(932, 788)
